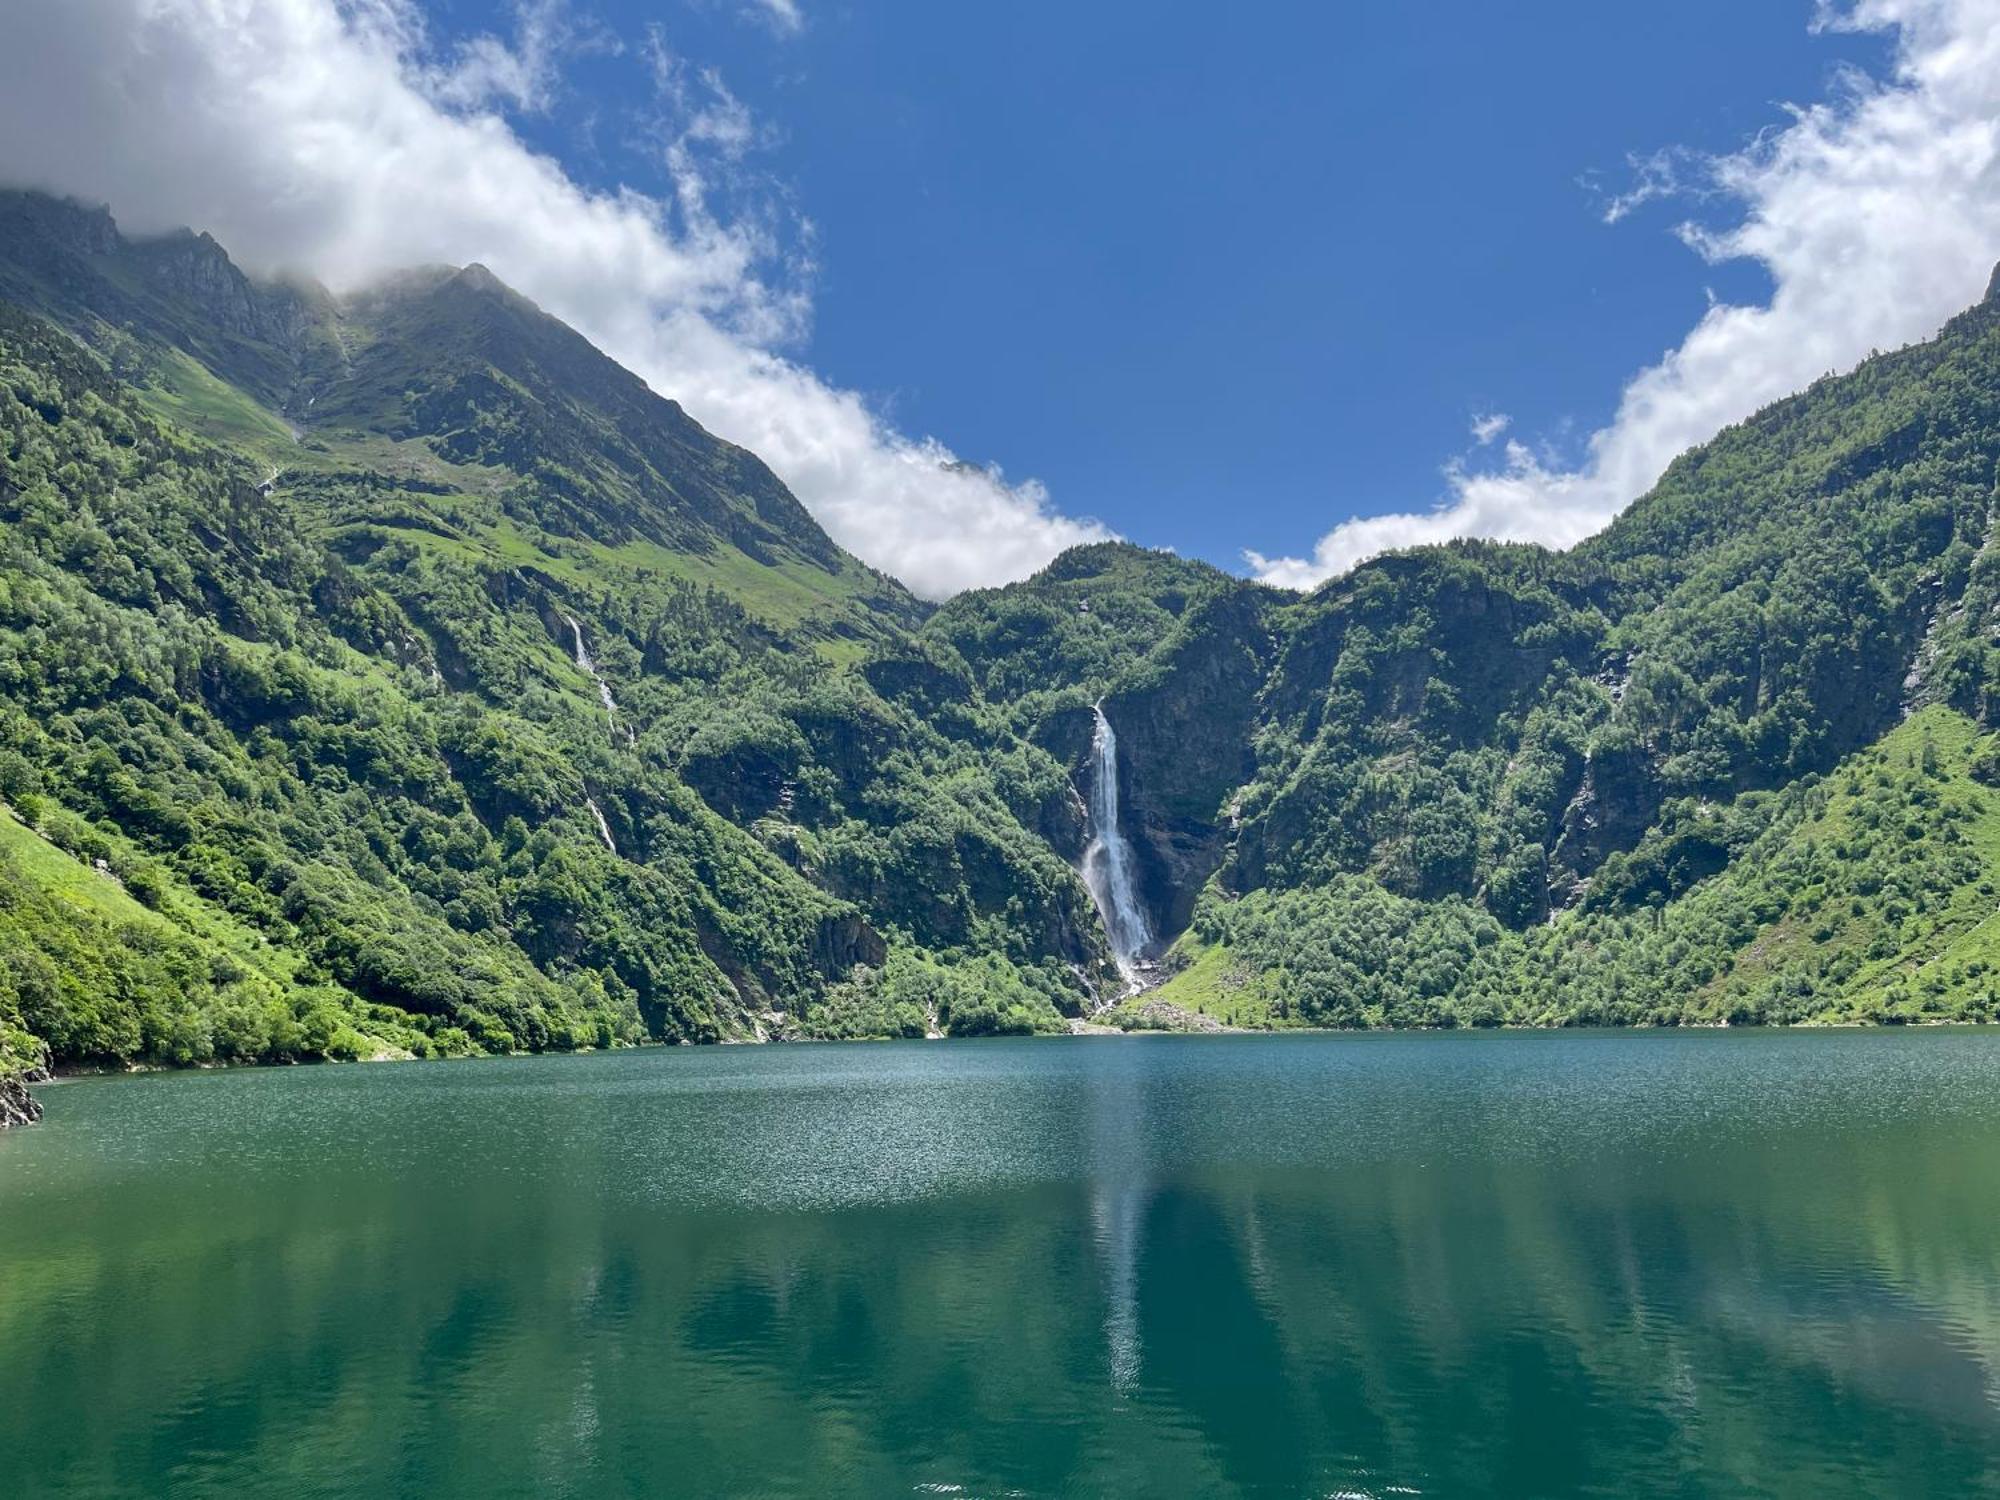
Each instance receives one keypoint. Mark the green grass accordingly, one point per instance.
(330, 452)
(1945, 948)
(788, 595)
(185, 393)
(94, 894)
(1215, 982)
(68, 879)
(791, 596)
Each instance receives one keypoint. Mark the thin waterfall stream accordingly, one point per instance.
(603, 826)
(589, 667)
(1107, 861)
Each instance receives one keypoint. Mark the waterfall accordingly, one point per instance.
(589, 667)
(603, 827)
(1107, 861)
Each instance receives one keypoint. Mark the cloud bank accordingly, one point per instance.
(330, 136)
(1876, 213)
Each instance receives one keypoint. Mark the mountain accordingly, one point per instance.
(393, 673)
(442, 377)
(1478, 782)
(397, 674)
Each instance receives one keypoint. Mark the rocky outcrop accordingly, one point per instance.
(1184, 727)
(929, 682)
(845, 940)
(194, 267)
(1612, 809)
(17, 1105)
(1155, 1014)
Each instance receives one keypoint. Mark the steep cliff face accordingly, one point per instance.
(275, 340)
(1186, 722)
(192, 270)
(1176, 652)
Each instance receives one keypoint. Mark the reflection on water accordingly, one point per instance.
(1119, 1188)
(1760, 1264)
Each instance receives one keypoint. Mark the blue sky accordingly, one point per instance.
(1225, 283)
(1237, 282)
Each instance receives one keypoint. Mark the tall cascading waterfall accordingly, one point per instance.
(1107, 859)
(590, 667)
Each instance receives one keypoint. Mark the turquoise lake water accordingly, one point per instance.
(1699, 1264)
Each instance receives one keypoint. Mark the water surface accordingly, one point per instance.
(1692, 1264)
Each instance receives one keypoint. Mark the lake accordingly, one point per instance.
(1681, 1264)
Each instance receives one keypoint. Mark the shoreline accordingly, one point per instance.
(19, 1107)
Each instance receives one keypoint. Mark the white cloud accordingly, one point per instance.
(332, 138)
(703, 134)
(782, 16)
(1658, 174)
(1488, 426)
(1876, 213)
(487, 71)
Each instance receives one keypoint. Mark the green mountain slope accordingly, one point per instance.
(395, 674)
(1474, 740)
(503, 704)
(1871, 894)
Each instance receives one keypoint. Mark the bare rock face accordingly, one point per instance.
(1155, 1014)
(1611, 810)
(846, 940)
(17, 1105)
(1184, 735)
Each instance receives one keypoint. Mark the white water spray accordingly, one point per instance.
(589, 667)
(1107, 860)
(603, 827)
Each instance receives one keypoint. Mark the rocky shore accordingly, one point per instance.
(17, 1105)
(1150, 1013)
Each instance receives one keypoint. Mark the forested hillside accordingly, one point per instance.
(395, 675)
(468, 697)
(1481, 783)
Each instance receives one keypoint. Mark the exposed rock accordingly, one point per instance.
(1155, 1014)
(1611, 810)
(1080, 1027)
(1184, 737)
(846, 940)
(17, 1105)
(926, 682)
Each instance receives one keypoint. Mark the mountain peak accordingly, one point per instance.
(85, 228)
(476, 277)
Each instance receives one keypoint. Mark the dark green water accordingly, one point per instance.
(1602, 1264)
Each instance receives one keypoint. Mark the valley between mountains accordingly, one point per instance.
(394, 675)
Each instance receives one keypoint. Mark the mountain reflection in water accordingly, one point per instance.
(1501, 1265)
